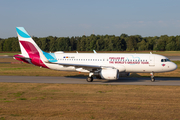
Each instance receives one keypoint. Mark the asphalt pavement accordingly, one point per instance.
(82, 80)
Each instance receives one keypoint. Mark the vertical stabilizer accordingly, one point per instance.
(29, 48)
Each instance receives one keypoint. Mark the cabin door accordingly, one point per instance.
(152, 61)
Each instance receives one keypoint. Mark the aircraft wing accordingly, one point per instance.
(85, 66)
(80, 65)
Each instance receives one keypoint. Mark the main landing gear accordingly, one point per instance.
(90, 78)
(152, 77)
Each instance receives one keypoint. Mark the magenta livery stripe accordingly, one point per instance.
(33, 53)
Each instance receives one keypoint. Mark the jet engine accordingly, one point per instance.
(109, 74)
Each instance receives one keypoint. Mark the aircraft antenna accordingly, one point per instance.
(94, 51)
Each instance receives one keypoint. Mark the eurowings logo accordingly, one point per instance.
(163, 65)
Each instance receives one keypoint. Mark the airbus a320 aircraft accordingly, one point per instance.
(109, 66)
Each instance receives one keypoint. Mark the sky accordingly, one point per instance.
(67, 18)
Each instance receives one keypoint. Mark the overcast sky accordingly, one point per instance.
(62, 18)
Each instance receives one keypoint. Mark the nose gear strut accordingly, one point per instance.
(152, 77)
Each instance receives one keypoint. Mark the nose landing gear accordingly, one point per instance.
(152, 77)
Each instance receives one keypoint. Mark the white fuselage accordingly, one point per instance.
(140, 63)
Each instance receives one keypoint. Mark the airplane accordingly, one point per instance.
(110, 66)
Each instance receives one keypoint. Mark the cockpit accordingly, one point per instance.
(165, 60)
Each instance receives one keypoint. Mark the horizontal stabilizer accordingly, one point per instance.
(21, 57)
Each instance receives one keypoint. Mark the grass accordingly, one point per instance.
(9, 53)
(57, 101)
(18, 94)
(168, 53)
(21, 99)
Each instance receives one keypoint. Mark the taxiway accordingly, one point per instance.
(82, 80)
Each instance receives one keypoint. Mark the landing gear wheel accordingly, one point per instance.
(152, 79)
(89, 79)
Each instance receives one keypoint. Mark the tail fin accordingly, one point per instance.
(29, 49)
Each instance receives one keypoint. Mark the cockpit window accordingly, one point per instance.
(165, 60)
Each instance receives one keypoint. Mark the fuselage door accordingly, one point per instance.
(151, 61)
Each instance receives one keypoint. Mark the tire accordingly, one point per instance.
(152, 80)
(89, 79)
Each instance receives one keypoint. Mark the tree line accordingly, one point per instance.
(98, 43)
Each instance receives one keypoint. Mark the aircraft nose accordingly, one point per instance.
(173, 66)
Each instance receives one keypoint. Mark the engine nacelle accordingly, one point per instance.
(109, 74)
(123, 74)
